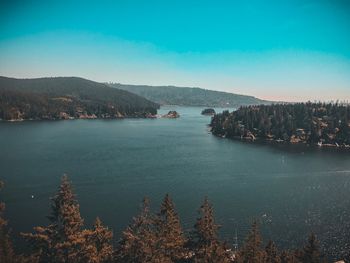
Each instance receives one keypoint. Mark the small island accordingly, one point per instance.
(322, 124)
(171, 115)
(208, 111)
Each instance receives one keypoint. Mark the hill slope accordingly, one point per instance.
(171, 95)
(68, 97)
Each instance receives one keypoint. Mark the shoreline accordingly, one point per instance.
(74, 119)
(155, 116)
(285, 143)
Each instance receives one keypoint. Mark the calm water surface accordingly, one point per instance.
(114, 163)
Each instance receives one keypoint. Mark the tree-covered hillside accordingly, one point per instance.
(171, 95)
(68, 97)
(312, 123)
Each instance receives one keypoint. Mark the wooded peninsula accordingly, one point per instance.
(323, 124)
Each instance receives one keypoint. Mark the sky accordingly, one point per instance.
(277, 50)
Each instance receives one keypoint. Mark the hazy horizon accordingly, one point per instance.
(290, 51)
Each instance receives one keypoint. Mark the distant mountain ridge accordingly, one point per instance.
(68, 97)
(185, 96)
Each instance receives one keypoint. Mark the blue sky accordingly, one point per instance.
(283, 50)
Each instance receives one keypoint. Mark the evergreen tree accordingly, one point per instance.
(289, 257)
(148, 239)
(207, 248)
(251, 252)
(311, 252)
(7, 253)
(170, 235)
(61, 241)
(98, 248)
(272, 253)
(139, 239)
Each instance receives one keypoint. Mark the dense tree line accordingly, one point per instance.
(62, 98)
(312, 123)
(149, 238)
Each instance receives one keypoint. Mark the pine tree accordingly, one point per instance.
(251, 252)
(272, 253)
(289, 257)
(207, 248)
(139, 239)
(311, 252)
(61, 241)
(98, 248)
(170, 236)
(7, 253)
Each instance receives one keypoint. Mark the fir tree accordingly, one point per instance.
(251, 252)
(61, 241)
(272, 253)
(207, 248)
(311, 252)
(98, 248)
(139, 239)
(289, 257)
(7, 253)
(170, 236)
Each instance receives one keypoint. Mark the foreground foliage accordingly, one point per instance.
(149, 238)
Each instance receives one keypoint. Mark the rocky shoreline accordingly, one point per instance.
(86, 116)
(83, 117)
(279, 141)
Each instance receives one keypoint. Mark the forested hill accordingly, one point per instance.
(68, 97)
(312, 123)
(171, 95)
